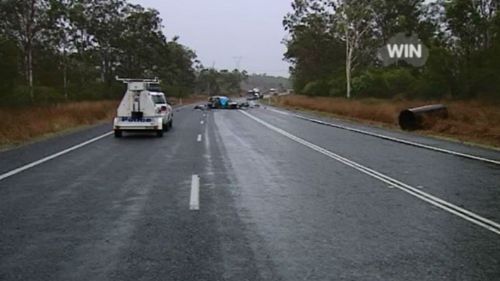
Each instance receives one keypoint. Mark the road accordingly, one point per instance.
(248, 195)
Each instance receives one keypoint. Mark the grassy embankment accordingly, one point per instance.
(21, 124)
(468, 121)
(25, 123)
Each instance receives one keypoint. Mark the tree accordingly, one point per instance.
(22, 21)
(74, 49)
(313, 47)
(137, 57)
(62, 34)
(8, 64)
(355, 22)
(462, 37)
(213, 82)
(103, 20)
(392, 17)
(471, 35)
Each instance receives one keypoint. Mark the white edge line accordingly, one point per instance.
(449, 207)
(194, 199)
(460, 154)
(50, 157)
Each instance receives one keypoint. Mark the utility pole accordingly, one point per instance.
(237, 62)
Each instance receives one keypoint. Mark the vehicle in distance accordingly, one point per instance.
(254, 94)
(143, 108)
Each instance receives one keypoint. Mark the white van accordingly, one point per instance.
(143, 108)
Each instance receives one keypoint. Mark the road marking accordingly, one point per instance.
(279, 111)
(199, 138)
(411, 143)
(202, 122)
(194, 200)
(431, 199)
(50, 157)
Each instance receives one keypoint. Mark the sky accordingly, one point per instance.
(223, 31)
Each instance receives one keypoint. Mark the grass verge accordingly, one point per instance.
(23, 124)
(469, 121)
(18, 125)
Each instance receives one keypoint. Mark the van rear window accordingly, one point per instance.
(158, 99)
(153, 87)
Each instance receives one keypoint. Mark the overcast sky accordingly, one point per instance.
(219, 31)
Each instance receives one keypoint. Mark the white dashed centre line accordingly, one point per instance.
(194, 200)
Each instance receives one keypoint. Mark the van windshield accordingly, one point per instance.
(158, 99)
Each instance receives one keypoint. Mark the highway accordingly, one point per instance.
(255, 194)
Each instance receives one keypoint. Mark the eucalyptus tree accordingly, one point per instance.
(350, 23)
(356, 23)
(81, 45)
(62, 34)
(101, 19)
(23, 21)
(314, 48)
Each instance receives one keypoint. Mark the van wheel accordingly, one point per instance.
(171, 123)
(118, 134)
(159, 133)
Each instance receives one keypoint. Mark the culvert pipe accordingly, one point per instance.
(421, 117)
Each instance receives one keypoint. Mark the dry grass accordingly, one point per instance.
(18, 125)
(470, 121)
(22, 124)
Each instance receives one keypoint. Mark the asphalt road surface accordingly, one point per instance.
(257, 194)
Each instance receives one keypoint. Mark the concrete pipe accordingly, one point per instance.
(421, 117)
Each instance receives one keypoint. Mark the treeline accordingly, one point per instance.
(210, 81)
(265, 82)
(333, 48)
(54, 50)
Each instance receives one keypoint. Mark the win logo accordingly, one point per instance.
(404, 51)
(403, 48)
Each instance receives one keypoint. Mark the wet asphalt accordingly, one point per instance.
(270, 208)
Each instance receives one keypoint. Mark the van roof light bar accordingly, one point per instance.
(131, 80)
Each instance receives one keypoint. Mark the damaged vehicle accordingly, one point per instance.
(222, 102)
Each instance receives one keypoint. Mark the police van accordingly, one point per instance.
(143, 108)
